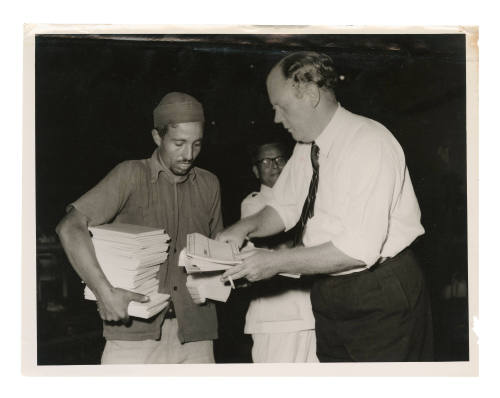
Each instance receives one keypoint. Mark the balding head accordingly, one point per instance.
(300, 89)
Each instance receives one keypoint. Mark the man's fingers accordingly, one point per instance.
(239, 275)
(234, 273)
(138, 297)
(221, 237)
(245, 254)
(231, 271)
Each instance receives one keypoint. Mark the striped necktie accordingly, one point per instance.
(308, 208)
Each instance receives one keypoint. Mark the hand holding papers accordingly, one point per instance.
(204, 276)
(204, 255)
(130, 257)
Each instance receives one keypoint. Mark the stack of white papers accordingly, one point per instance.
(130, 257)
(206, 256)
(203, 254)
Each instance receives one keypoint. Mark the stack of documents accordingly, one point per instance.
(130, 257)
(203, 254)
(206, 256)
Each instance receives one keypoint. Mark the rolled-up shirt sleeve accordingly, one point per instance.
(368, 178)
(103, 202)
(250, 207)
(289, 192)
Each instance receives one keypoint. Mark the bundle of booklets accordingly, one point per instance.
(203, 254)
(206, 256)
(130, 257)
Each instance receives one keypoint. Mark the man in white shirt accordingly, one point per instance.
(348, 187)
(280, 317)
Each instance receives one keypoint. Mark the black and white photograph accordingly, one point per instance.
(261, 196)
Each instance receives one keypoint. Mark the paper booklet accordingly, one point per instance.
(132, 231)
(130, 263)
(133, 243)
(125, 250)
(203, 248)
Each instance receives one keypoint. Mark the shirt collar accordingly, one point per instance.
(265, 190)
(327, 138)
(157, 167)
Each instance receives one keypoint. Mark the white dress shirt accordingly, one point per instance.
(286, 311)
(365, 204)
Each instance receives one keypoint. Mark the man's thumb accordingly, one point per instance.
(139, 297)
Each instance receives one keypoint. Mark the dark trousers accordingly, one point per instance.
(380, 314)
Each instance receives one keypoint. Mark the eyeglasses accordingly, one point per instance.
(279, 161)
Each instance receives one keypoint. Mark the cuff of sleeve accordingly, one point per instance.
(353, 248)
(286, 216)
(85, 211)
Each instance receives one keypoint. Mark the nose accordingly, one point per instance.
(188, 153)
(277, 117)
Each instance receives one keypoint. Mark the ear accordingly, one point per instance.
(298, 89)
(313, 94)
(156, 137)
(256, 172)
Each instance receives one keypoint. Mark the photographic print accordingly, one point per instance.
(186, 130)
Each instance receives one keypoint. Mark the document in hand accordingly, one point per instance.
(203, 254)
(130, 257)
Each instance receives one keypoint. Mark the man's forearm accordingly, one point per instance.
(78, 246)
(322, 259)
(112, 301)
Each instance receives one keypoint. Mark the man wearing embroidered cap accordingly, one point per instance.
(348, 190)
(165, 191)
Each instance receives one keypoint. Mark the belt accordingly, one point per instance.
(387, 260)
(381, 262)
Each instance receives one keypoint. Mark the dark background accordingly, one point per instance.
(94, 100)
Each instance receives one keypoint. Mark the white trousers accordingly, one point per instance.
(166, 350)
(284, 347)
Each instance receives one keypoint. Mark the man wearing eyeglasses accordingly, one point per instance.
(267, 162)
(280, 317)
